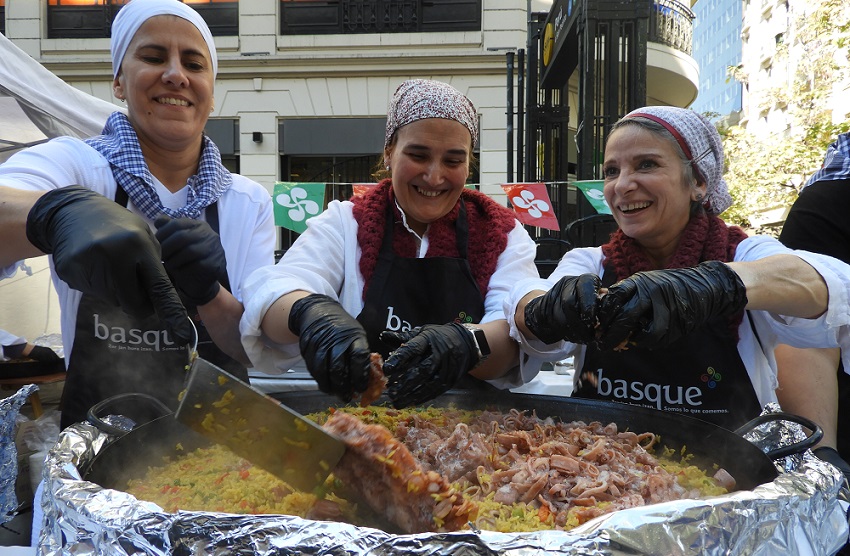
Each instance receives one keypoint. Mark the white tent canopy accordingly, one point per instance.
(36, 105)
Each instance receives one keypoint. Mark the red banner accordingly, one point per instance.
(531, 203)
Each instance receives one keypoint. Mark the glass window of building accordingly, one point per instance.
(92, 19)
(326, 17)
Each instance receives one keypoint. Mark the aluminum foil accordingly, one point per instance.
(9, 409)
(802, 512)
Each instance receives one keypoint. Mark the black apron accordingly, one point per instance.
(701, 375)
(114, 353)
(404, 293)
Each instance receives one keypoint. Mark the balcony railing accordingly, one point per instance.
(324, 17)
(672, 24)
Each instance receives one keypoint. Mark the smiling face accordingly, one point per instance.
(430, 163)
(167, 80)
(646, 189)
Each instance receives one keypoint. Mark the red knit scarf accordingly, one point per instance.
(705, 238)
(489, 224)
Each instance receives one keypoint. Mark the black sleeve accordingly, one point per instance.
(819, 220)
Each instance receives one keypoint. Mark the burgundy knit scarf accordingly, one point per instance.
(489, 224)
(705, 238)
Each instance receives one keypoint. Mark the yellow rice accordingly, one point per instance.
(216, 480)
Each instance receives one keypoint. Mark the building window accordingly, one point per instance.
(3, 17)
(326, 17)
(224, 132)
(92, 19)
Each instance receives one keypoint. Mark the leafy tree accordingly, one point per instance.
(765, 172)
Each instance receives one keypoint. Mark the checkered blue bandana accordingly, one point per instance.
(120, 146)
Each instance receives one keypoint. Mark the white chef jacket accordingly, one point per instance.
(326, 260)
(246, 223)
(832, 329)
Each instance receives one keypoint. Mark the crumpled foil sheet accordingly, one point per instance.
(9, 409)
(802, 512)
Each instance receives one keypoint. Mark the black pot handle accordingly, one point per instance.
(129, 400)
(791, 449)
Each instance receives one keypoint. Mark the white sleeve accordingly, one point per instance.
(832, 329)
(534, 352)
(317, 262)
(247, 231)
(57, 163)
(515, 264)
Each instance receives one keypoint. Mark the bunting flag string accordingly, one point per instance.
(296, 202)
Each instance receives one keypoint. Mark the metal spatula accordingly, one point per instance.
(256, 427)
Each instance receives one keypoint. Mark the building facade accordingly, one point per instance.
(778, 47)
(717, 46)
(303, 85)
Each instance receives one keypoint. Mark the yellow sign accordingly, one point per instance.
(548, 43)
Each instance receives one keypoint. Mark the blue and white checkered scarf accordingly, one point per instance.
(120, 146)
(836, 163)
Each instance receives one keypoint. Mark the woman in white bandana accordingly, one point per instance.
(143, 223)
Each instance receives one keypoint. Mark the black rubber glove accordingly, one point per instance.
(193, 256)
(566, 312)
(428, 361)
(333, 344)
(43, 354)
(830, 455)
(655, 308)
(103, 249)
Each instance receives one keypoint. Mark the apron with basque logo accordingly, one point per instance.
(115, 353)
(404, 293)
(701, 375)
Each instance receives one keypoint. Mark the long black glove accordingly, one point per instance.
(566, 312)
(193, 256)
(333, 344)
(103, 249)
(655, 308)
(429, 361)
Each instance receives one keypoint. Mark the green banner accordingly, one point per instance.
(295, 203)
(592, 190)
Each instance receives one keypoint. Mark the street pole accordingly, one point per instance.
(510, 112)
(520, 113)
